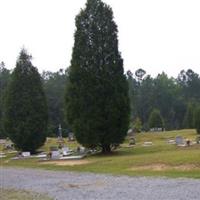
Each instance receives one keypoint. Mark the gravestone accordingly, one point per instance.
(65, 151)
(171, 141)
(41, 155)
(156, 129)
(179, 140)
(81, 150)
(130, 132)
(2, 141)
(70, 137)
(146, 144)
(55, 155)
(2, 155)
(198, 139)
(26, 154)
(132, 141)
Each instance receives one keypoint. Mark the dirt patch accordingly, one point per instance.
(68, 162)
(163, 167)
(94, 184)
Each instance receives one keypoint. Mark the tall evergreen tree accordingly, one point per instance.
(4, 79)
(197, 119)
(97, 103)
(26, 109)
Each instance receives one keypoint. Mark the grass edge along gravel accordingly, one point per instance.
(13, 194)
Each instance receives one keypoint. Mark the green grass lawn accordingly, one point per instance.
(10, 194)
(160, 159)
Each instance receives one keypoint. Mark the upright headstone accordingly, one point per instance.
(65, 151)
(179, 140)
(130, 132)
(55, 155)
(132, 141)
(70, 136)
(198, 139)
(60, 132)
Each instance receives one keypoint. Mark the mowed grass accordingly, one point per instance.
(11, 194)
(160, 159)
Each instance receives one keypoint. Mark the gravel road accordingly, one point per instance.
(87, 186)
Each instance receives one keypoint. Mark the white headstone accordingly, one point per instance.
(148, 144)
(65, 151)
(26, 154)
(130, 131)
(2, 155)
(82, 149)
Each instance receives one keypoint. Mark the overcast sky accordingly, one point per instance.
(156, 35)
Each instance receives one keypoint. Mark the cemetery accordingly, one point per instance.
(99, 120)
(163, 154)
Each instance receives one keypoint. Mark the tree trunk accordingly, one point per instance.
(106, 149)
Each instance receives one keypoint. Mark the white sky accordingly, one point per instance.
(156, 35)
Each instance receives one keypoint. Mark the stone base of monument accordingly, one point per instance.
(75, 157)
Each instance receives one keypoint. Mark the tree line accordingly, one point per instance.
(176, 99)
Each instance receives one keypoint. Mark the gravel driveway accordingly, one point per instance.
(86, 186)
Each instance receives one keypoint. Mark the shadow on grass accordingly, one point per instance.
(135, 151)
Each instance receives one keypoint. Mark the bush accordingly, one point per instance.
(155, 119)
(137, 125)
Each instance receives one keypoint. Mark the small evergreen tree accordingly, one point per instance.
(26, 109)
(197, 120)
(155, 119)
(97, 103)
(137, 125)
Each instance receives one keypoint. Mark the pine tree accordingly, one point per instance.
(97, 103)
(155, 119)
(26, 109)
